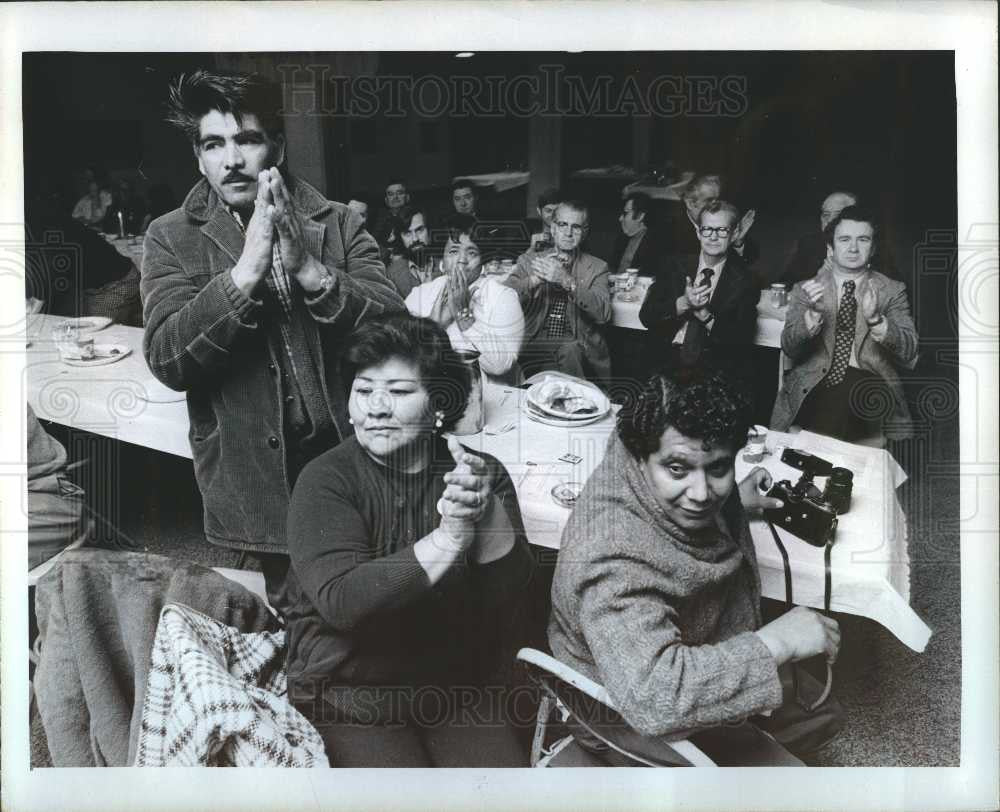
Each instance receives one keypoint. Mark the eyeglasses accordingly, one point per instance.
(708, 231)
(573, 228)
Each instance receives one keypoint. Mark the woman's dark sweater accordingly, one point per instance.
(364, 612)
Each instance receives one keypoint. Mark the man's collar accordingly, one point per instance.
(702, 265)
(839, 277)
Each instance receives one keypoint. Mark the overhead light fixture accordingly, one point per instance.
(464, 54)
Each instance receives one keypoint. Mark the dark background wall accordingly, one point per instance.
(882, 124)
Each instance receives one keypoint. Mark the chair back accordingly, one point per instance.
(575, 694)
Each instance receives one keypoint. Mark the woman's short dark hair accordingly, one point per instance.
(459, 224)
(194, 95)
(705, 405)
(423, 343)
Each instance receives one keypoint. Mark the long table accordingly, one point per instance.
(870, 561)
(770, 320)
(672, 192)
(501, 181)
(121, 400)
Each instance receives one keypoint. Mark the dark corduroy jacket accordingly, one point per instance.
(205, 337)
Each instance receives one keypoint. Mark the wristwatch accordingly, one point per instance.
(464, 315)
(325, 282)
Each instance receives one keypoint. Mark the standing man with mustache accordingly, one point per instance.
(248, 290)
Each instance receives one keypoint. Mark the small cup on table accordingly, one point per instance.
(756, 447)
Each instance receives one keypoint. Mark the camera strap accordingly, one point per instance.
(789, 604)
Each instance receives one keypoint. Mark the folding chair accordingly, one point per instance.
(557, 683)
(249, 579)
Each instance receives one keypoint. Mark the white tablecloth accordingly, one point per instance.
(501, 181)
(113, 400)
(870, 560)
(770, 321)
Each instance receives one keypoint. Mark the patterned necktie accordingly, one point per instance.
(695, 333)
(846, 314)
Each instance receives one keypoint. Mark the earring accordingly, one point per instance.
(438, 419)
(350, 420)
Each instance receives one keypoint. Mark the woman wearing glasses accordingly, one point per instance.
(705, 305)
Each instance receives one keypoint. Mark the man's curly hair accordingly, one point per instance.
(705, 405)
(194, 95)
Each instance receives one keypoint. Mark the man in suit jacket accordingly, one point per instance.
(811, 249)
(637, 246)
(846, 333)
(704, 306)
(565, 298)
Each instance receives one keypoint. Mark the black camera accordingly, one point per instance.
(810, 514)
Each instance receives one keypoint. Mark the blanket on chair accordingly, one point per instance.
(98, 612)
(217, 698)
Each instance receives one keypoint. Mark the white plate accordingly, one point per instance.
(584, 389)
(102, 356)
(555, 421)
(85, 324)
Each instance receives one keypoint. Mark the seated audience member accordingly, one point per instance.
(410, 262)
(56, 506)
(464, 197)
(565, 300)
(704, 305)
(91, 208)
(700, 190)
(359, 204)
(811, 250)
(409, 562)
(656, 592)
(396, 196)
(636, 246)
(74, 270)
(846, 333)
(548, 202)
(479, 312)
